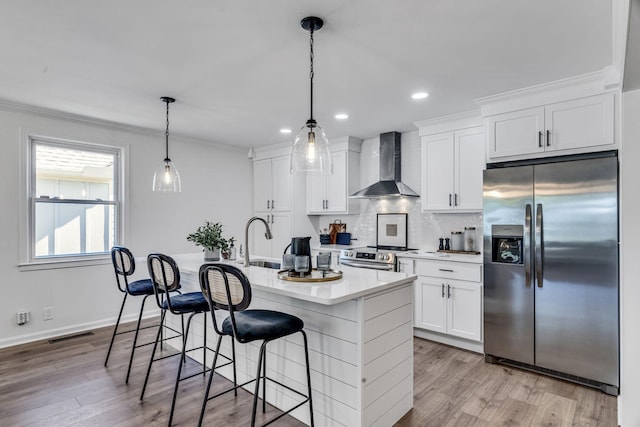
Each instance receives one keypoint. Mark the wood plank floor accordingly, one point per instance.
(65, 384)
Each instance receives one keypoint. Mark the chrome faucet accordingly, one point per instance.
(268, 235)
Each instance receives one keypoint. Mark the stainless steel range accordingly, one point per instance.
(372, 258)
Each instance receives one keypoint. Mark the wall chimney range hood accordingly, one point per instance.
(390, 184)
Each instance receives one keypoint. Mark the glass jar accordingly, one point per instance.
(469, 239)
(457, 241)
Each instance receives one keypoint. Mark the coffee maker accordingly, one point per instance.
(300, 246)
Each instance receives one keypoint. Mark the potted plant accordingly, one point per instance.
(228, 252)
(209, 236)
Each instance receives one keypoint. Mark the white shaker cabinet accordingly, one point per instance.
(329, 194)
(272, 193)
(272, 184)
(280, 225)
(578, 125)
(448, 298)
(452, 165)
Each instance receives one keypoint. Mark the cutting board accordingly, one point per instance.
(336, 227)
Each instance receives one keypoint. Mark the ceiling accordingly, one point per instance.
(240, 69)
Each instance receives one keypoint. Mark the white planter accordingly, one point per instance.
(213, 255)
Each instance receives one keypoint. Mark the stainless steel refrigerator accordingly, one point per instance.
(551, 268)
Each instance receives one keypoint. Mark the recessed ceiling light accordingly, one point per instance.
(285, 130)
(341, 116)
(419, 95)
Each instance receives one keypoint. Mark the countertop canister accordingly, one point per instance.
(469, 239)
(457, 241)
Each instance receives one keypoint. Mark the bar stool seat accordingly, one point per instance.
(186, 303)
(141, 287)
(252, 325)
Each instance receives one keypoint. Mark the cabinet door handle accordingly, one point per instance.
(448, 291)
(455, 199)
(540, 139)
(449, 199)
(273, 204)
(548, 138)
(268, 204)
(446, 269)
(443, 290)
(327, 203)
(272, 219)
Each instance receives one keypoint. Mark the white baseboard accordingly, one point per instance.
(67, 330)
(476, 347)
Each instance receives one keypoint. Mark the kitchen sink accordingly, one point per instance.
(265, 264)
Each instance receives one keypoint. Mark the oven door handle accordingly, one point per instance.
(371, 266)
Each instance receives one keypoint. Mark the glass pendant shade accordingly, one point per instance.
(167, 178)
(310, 154)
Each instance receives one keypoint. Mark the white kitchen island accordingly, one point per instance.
(360, 332)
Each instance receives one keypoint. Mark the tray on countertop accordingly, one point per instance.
(315, 276)
(459, 252)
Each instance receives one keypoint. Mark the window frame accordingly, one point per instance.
(28, 261)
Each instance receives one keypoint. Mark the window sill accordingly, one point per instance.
(50, 264)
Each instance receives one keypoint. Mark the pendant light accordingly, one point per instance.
(166, 177)
(310, 152)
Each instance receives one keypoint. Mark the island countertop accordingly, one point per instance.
(355, 282)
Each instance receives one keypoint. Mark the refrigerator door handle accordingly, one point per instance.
(527, 243)
(539, 244)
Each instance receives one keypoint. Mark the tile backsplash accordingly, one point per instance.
(423, 228)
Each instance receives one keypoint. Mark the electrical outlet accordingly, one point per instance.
(47, 313)
(22, 317)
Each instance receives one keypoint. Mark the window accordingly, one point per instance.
(74, 200)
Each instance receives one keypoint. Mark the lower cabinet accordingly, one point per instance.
(448, 298)
(280, 224)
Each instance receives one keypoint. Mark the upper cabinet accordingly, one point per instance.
(329, 194)
(272, 184)
(452, 164)
(570, 116)
(576, 124)
(272, 194)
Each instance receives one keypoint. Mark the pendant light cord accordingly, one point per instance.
(166, 135)
(311, 74)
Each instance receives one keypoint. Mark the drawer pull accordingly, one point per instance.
(446, 269)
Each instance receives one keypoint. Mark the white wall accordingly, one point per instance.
(217, 186)
(628, 407)
(424, 229)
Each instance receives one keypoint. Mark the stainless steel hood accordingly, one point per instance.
(389, 184)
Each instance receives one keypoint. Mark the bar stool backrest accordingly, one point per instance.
(225, 287)
(123, 264)
(165, 276)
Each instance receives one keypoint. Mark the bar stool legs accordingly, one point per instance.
(115, 330)
(262, 374)
(183, 360)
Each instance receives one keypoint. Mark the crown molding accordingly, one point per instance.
(547, 93)
(450, 122)
(78, 118)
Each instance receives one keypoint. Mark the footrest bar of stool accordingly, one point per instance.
(230, 389)
(287, 387)
(285, 413)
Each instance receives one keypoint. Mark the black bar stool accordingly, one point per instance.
(226, 287)
(124, 266)
(165, 278)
